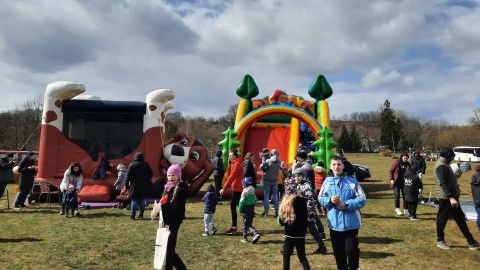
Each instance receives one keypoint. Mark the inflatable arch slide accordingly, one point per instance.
(274, 122)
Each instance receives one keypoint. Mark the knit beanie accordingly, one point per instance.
(447, 153)
(30, 154)
(298, 171)
(274, 152)
(290, 186)
(10, 155)
(175, 169)
(247, 181)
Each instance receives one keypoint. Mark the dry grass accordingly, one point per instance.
(38, 238)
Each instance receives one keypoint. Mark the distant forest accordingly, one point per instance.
(370, 131)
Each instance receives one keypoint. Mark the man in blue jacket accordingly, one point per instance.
(343, 196)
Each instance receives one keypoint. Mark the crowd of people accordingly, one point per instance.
(297, 196)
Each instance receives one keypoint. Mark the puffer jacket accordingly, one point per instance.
(271, 173)
(121, 178)
(351, 193)
(246, 205)
(447, 181)
(139, 177)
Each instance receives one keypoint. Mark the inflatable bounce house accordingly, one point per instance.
(275, 122)
(100, 134)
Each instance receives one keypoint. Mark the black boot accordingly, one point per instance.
(306, 265)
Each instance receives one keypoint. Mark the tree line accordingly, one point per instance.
(370, 131)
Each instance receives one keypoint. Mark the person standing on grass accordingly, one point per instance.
(448, 193)
(418, 161)
(413, 185)
(210, 199)
(173, 202)
(246, 207)
(397, 172)
(304, 190)
(6, 172)
(475, 184)
(138, 183)
(72, 176)
(343, 197)
(249, 168)
(293, 214)
(271, 169)
(27, 170)
(121, 178)
(234, 180)
(218, 172)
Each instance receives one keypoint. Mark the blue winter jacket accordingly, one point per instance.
(351, 194)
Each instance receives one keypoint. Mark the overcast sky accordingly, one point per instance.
(423, 56)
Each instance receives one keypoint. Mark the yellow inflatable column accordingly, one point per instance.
(294, 139)
(325, 116)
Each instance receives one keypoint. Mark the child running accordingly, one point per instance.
(211, 201)
(246, 207)
(293, 214)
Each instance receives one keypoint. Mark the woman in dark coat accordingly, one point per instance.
(249, 168)
(27, 170)
(139, 181)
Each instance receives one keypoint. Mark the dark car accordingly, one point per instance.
(361, 172)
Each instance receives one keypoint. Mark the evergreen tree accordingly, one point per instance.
(344, 141)
(388, 130)
(356, 143)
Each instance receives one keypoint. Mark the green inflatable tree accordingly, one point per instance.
(247, 89)
(320, 89)
(228, 144)
(324, 145)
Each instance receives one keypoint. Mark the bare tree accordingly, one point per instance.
(475, 119)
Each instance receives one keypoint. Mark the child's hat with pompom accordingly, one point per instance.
(247, 181)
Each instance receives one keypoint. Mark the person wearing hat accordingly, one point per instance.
(475, 184)
(173, 202)
(6, 172)
(246, 207)
(397, 172)
(448, 193)
(138, 183)
(293, 214)
(412, 186)
(27, 170)
(418, 161)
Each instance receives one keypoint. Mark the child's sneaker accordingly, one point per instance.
(205, 234)
(255, 239)
(397, 210)
(413, 218)
(323, 236)
(214, 230)
(244, 240)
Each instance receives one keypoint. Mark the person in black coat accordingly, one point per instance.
(173, 203)
(411, 188)
(293, 214)
(27, 170)
(218, 172)
(138, 183)
(6, 172)
(249, 168)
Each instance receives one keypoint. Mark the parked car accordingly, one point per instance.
(361, 172)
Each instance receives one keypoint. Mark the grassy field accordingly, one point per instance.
(39, 238)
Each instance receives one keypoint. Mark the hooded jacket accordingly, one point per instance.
(210, 199)
(139, 177)
(246, 205)
(235, 175)
(26, 175)
(6, 170)
(271, 173)
(218, 164)
(121, 178)
(351, 193)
